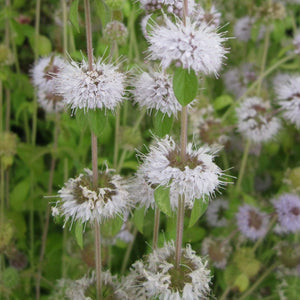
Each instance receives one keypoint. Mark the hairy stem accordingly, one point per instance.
(156, 227)
(243, 165)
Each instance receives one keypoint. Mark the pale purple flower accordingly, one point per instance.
(256, 121)
(197, 47)
(288, 210)
(195, 178)
(102, 88)
(252, 222)
(215, 213)
(287, 88)
(209, 17)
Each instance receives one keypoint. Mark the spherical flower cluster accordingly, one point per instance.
(210, 18)
(237, 79)
(218, 251)
(288, 93)
(168, 6)
(44, 75)
(195, 177)
(102, 88)
(243, 28)
(251, 222)
(208, 128)
(115, 31)
(255, 120)
(194, 46)
(141, 192)
(190, 281)
(215, 213)
(155, 91)
(288, 210)
(80, 201)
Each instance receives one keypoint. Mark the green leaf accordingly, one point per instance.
(162, 124)
(79, 234)
(162, 199)
(138, 218)
(81, 118)
(112, 226)
(222, 101)
(97, 120)
(19, 194)
(44, 46)
(73, 15)
(185, 85)
(199, 208)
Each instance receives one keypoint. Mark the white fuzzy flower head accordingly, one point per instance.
(251, 222)
(237, 79)
(218, 251)
(102, 88)
(45, 71)
(215, 213)
(196, 47)
(49, 101)
(255, 120)
(209, 17)
(190, 281)
(80, 201)
(287, 88)
(154, 91)
(207, 128)
(168, 6)
(141, 192)
(196, 177)
(84, 288)
(242, 28)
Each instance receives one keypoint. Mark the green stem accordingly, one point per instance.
(65, 27)
(117, 135)
(243, 165)
(225, 294)
(258, 281)
(1, 106)
(156, 227)
(128, 252)
(98, 260)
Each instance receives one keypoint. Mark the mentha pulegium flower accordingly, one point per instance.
(50, 101)
(251, 222)
(45, 71)
(115, 31)
(190, 281)
(101, 88)
(80, 201)
(168, 6)
(288, 210)
(215, 213)
(209, 17)
(196, 177)
(194, 46)
(237, 79)
(154, 91)
(218, 251)
(256, 121)
(287, 88)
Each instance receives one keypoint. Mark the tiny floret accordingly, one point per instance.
(101, 88)
(193, 46)
(81, 201)
(256, 121)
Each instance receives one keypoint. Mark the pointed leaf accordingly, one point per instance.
(162, 199)
(138, 218)
(79, 234)
(185, 86)
(199, 208)
(73, 15)
(112, 226)
(162, 124)
(97, 120)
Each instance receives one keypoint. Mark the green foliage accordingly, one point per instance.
(138, 218)
(185, 86)
(199, 208)
(162, 124)
(73, 15)
(162, 199)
